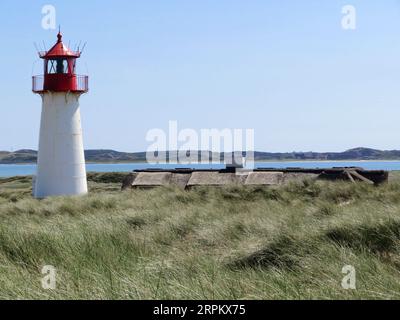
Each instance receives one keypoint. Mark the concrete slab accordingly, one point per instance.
(152, 179)
(292, 176)
(180, 179)
(264, 178)
(212, 178)
(128, 181)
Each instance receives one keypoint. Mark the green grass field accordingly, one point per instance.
(289, 242)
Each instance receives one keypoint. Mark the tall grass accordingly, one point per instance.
(289, 242)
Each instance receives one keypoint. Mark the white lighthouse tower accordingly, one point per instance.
(61, 162)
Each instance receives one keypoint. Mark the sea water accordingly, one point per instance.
(10, 170)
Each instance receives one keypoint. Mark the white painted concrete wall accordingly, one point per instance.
(61, 162)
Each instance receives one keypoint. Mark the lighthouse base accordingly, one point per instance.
(61, 162)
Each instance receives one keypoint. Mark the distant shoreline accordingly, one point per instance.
(106, 156)
(199, 163)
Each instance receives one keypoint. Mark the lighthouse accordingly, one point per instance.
(61, 161)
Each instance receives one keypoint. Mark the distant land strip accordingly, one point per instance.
(110, 156)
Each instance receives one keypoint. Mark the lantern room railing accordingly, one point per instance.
(37, 84)
(71, 53)
(81, 84)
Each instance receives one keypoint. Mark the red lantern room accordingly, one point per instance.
(59, 71)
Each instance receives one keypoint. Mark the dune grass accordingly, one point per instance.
(289, 242)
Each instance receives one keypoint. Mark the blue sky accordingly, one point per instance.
(284, 68)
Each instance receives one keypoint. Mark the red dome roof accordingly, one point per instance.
(59, 50)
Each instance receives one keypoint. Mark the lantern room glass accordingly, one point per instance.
(60, 66)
